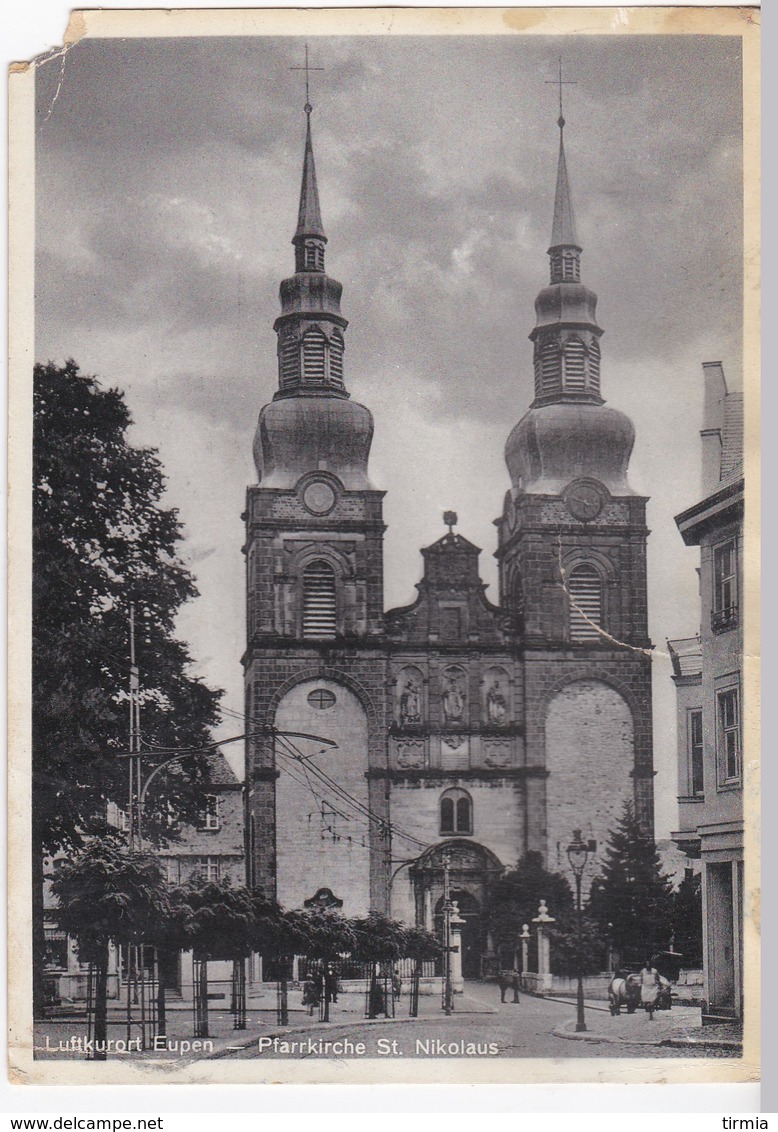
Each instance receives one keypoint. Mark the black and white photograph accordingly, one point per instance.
(384, 570)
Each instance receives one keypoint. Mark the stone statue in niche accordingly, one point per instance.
(453, 700)
(410, 703)
(496, 705)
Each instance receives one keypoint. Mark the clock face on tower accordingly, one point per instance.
(584, 500)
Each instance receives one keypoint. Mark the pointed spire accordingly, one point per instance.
(309, 217)
(563, 234)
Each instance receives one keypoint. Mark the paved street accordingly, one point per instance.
(481, 1027)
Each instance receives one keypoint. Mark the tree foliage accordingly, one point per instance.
(631, 901)
(106, 894)
(516, 898)
(687, 919)
(515, 901)
(101, 540)
(221, 918)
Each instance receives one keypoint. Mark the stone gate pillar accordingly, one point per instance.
(544, 921)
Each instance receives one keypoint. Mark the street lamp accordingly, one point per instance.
(139, 787)
(448, 908)
(577, 854)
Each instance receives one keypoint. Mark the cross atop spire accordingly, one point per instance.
(560, 82)
(307, 68)
(563, 233)
(309, 238)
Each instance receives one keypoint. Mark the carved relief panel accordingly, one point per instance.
(410, 754)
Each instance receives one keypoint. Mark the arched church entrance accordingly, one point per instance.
(473, 932)
(472, 871)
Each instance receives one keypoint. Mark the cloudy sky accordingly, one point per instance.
(167, 181)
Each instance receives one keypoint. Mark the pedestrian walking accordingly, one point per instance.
(649, 988)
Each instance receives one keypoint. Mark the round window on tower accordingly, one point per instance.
(319, 497)
(321, 699)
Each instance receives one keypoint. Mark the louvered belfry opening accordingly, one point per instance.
(585, 588)
(319, 601)
(314, 345)
(575, 364)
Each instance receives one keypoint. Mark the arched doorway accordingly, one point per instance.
(472, 870)
(472, 930)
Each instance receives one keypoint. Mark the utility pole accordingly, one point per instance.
(134, 762)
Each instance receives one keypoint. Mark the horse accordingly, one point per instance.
(624, 991)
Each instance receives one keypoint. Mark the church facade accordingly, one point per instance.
(465, 733)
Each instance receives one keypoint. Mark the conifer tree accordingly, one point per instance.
(632, 899)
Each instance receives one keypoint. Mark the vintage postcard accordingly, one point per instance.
(384, 598)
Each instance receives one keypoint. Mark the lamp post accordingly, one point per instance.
(577, 854)
(448, 908)
(139, 787)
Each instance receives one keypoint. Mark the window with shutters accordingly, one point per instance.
(456, 812)
(336, 359)
(319, 600)
(585, 600)
(575, 364)
(314, 346)
(594, 365)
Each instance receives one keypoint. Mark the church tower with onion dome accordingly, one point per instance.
(399, 758)
(314, 560)
(572, 563)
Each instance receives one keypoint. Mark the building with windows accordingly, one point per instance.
(213, 848)
(707, 675)
(467, 732)
(210, 850)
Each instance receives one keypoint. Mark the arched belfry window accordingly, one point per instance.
(575, 364)
(336, 359)
(585, 590)
(314, 346)
(319, 600)
(456, 812)
(594, 365)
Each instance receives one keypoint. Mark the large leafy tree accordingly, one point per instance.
(107, 895)
(632, 900)
(103, 541)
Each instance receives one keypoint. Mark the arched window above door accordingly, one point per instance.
(456, 812)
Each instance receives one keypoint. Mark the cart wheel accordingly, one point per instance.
(631, 1008)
